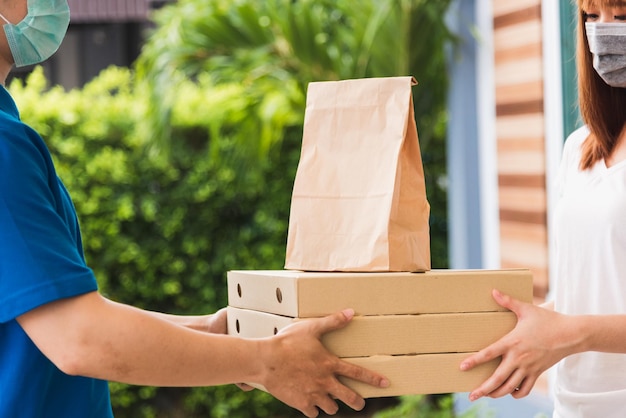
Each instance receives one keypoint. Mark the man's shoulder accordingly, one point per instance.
(20, 146)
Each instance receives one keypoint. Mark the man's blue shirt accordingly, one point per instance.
(41, 261)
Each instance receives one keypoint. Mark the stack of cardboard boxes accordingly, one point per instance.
(414, 328)
(358, 230)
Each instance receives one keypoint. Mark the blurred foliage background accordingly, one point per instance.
(182, 167)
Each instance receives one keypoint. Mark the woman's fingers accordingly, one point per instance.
(485, 355)
(511, 385)
(507, 376)
(525, 387)
(508, 302)
(502, 374)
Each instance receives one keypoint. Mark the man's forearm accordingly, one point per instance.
(214, 323)
(133, 346)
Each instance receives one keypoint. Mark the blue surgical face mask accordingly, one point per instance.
(39, 34)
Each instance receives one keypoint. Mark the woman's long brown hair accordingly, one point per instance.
(602, 107)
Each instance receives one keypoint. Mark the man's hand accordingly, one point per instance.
(77, 334)
(302, 373)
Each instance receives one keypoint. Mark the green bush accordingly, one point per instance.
(437, 406)
(269, 46)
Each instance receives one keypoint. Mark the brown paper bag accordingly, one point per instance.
(359, 199)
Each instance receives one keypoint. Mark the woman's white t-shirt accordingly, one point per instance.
(590, 233)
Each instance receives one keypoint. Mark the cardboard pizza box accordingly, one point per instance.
(389, 334)
(421, 374)
(312, 294)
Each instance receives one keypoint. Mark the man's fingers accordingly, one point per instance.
(310, 411)
(332, 322)
(245, 387)
(328, 405)
(349, 397)
(361, 374)
(327, 367)
(351, 371)
(352, 399)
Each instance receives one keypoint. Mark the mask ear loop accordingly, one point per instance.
(5, 19)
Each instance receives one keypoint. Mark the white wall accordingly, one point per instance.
(553, 104)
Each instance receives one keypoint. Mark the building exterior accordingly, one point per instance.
(512, 104)
(101, 33)
(86, 11)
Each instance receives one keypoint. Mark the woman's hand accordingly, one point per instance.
(540, 339)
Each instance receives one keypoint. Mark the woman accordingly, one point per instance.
(60, 340)
(584, 329)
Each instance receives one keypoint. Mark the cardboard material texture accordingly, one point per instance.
(389, 334)
(421, 374)
(308, 294)
(359, 197)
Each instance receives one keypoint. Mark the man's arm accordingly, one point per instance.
(214, 323)
(92, 336)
